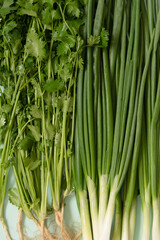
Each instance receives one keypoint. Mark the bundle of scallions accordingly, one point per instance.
(117, 121)
(80, 111)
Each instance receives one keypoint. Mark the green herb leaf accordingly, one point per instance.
(9, 27)
(14, 197)
(50, 129)
(6, 7)
(33, 165)
(35, 203)
(104, 37)
(6, 108)
(93, 40)
(26, 143)
(34, 45)
(81, 63)
(35, 132)
(73, 9)
(36, 112)
(53, 85)
(24, 11)
(56, 15)
(62, 49)
(37, 87)
(75, 25)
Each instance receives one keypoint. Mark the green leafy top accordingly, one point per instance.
(99, 41)
(35, 46)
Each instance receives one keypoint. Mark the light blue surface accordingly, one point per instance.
(71, 215)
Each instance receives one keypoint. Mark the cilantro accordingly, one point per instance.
(26, 143)
(7, 7)
(33, 165)
(81, 63)
(36, 112)
(40, 55)
(104, 37)
(14, 197)
(35, 132)
(53, 85)
(73, 9)
(62, 49)
(99, 41)
(9, 27)
(93, 40)
(35, 46)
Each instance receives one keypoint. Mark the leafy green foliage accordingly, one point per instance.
(73, 8)
(26, 143)
(27, 8)
(99, 41)
(104, 37)
(37, 87)
(93, 40)
(40, 54)
(35, 46)
(54, 85)
(50, 129)
(35, 132)
(9, 27)
(33, 165)
(14, 197)
(7, 7)
(36, 112)
(62, 49)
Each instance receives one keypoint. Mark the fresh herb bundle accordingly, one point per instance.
(110, 104)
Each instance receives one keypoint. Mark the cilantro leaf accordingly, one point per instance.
(36, 112)
(27, 8)
(53, 85)
(35, 132)
(7, 3)
(99, 41)
(6, 7)
(36, 87)
(34, 45)
(26, 143)
(104, 37)
(9, 27)
(24, 11)
(33, 165)
(46, 16)
(73, 9)
(93, 40)
(14, 197)
(80, 63)
(59, 32)
(75, 25)
(50, 129)
(62, 49)
(56, 15)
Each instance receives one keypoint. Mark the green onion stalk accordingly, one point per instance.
(154, 166)
(118, 148)
(117, 228)
(144, 161)
(154, 136)
(80, 184)
(144, 185)
(88, 109)
(113, 153)
(132, 180)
